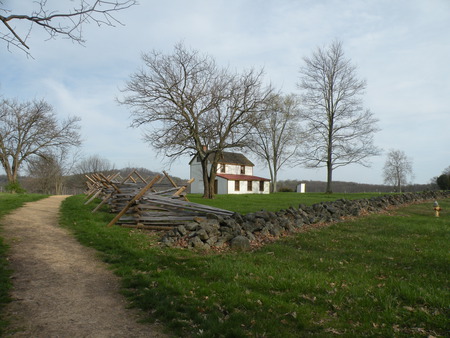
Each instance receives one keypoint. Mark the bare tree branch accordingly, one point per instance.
(68, 24)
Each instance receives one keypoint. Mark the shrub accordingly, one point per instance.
(285, 189)
(443, 182)
(14, 187)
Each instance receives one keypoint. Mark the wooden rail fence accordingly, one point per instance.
(156, 204)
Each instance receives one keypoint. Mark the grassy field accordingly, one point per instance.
(9, 202)
(249, 202)
(381, 275)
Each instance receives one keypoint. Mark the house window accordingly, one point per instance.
(249, 186)
(237, 185)
(261, 185)
(242, 169)
(222, 167)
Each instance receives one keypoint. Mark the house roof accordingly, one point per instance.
(232, 158)
(235, 158)
(232, 177)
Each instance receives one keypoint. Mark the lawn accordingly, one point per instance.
(381, 275)
(246, 203)
(9, 202)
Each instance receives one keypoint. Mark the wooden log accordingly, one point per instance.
(179, 204)
(107, 182)
(134, 199)
(140, 177)
(149, 227)
(170, 179)
(105, 199)
(93, 197)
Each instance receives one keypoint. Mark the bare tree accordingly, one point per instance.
(278, 136)
(67, 23)
(194, 107)
(397, 169)
(94, 164)
(31, 129)
(49, 172)
(340, 131)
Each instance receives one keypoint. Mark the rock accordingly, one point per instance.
(262, 214)
(213, 216)
(250, 217)
(191, 226)
(275, 231)
(240, 243)
(167, 241)
(238, 218)
(202, 234)
(182, 230)
(196, 243)
(212, 240)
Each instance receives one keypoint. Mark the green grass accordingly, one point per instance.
(381, 275)
(9, 202)
(274, 202)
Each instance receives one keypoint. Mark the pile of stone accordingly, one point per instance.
(240, 231)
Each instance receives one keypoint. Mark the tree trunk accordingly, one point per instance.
(273, 177)
(208, 180)
(329, 178)
(329, 167)
(206, 187)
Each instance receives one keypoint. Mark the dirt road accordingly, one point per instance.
(60, 288)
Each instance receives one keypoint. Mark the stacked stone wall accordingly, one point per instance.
(240, 231)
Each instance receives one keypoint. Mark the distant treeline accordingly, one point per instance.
(75, 184)
(350, 187)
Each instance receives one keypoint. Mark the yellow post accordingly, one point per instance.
(437, 208)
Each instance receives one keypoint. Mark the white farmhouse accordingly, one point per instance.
(234, 176)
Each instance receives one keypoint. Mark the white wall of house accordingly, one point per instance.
(222, 186)
(196, 172)
(225, 186)
(235, 170)
(244, 188)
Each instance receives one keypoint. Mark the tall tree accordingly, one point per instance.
(397, 169)
(443, 181)
(194, 107)
(278, 136)
(94, 164)
(50, 172)
(67, 22)
(32, 129)
(340, 130)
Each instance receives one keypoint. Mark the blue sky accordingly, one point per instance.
(400, 47)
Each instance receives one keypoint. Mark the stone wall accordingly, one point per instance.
(239, 231)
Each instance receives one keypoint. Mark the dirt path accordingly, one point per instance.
(60, 288)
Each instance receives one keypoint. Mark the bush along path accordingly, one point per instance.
(60, 288)
(241, 232)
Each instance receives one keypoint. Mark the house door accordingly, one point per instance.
(216, 187)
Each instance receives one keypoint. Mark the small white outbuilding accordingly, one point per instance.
(301, 188)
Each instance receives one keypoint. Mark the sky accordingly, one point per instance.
(400, 47)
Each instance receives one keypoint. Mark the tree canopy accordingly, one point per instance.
(31, 129)
(278, 136)
(190, 106)
(340, 131)
(397, 169)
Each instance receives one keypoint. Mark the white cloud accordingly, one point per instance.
(401, 48)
